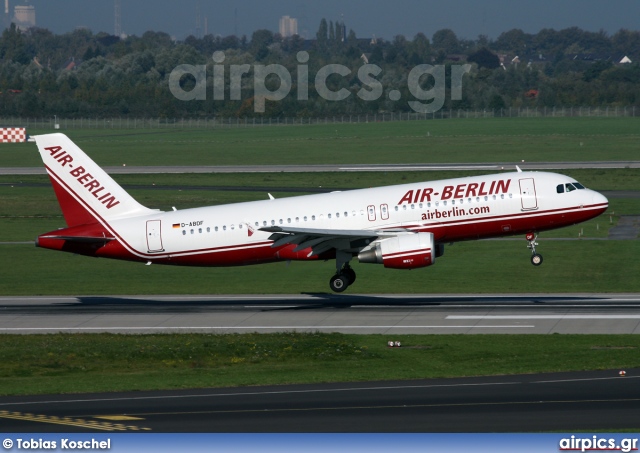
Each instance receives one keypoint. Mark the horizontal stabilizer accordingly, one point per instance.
(81, 239)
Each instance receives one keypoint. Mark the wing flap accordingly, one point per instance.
(323, 240)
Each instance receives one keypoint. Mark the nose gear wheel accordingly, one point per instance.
(536, 258)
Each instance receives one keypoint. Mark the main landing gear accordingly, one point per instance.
(345, 276)
(536, 258)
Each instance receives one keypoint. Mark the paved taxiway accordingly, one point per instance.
(587, 401)
(346, 313)
(495, 166)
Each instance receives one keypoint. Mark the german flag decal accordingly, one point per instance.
(176, 225)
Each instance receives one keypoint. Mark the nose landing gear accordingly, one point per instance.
(536, 258)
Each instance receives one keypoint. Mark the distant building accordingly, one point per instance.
(24, 17)
(288, 26)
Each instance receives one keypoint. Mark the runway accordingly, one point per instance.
(598, 401)
(495, 166)
(345, 313)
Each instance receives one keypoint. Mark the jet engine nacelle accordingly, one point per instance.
(406, 251)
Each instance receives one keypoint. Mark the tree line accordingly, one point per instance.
(82, 74)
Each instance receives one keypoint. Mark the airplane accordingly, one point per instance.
(401, 227)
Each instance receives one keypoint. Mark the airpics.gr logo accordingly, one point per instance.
(427, 100)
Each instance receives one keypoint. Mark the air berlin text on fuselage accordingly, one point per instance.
(84, 178)
(473, 189)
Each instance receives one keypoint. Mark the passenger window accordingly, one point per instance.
(560, 188)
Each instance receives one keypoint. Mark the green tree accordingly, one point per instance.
(446, 40)
(514, 40)
(484, 58)
(13, 46)
(260, 42)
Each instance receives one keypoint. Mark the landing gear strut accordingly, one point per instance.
(536, 258)
(345, 276)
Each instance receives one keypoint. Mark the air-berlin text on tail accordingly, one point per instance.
(473, 189)
(84, 178)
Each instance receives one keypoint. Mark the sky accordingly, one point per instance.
(382, 18)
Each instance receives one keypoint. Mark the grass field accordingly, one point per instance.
(40, 364)
(443, 141)
(473, 267)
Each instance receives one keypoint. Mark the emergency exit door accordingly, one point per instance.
(528, 194)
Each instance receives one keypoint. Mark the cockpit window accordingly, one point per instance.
(569, 187)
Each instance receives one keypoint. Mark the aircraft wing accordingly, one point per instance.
(322, 240)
